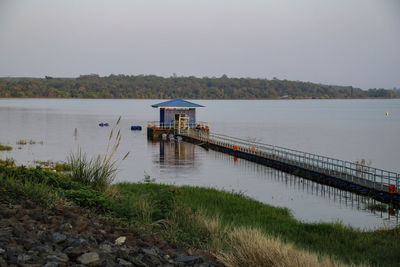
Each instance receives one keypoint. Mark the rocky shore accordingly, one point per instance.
(68, 235)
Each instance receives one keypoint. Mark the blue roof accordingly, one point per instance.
(177, 103)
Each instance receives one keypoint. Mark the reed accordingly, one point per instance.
(98, 171)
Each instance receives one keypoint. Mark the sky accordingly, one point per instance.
(341, 42)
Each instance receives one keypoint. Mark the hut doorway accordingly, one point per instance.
(181, 121)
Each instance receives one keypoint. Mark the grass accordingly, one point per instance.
(5, 148)
(234, 210)
(250, 247)
(238, 230)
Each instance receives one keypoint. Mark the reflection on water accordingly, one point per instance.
(174, 153)
(340, 197)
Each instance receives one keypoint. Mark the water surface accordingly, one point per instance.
(345, 129)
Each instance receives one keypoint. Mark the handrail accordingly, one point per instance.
(172, 125)
(357, 173)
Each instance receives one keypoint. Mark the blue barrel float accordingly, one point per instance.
(136, 128)
(101, 124)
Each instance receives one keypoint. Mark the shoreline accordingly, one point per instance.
(206, 218)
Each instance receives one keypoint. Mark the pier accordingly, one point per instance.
(178, 117)
(365, 180)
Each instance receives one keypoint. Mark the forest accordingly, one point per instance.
(157, 87)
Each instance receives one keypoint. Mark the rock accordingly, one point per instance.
(25, 218)
(36, 237)
(123, 262)
(89, 258)
(58, 238)
(43, 249)
(80, 242)
(189, 260)
(28, 243)
(58, 257)
(120, 240)
(150, 252)
(105, 248)
(19, 230)
(74, 252)
(151, 256)
(137, 262)
(52, 264)
(22, 258)
(65, 227)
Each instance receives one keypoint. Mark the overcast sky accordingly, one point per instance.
(343, 42)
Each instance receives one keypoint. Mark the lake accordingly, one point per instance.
(345, 129)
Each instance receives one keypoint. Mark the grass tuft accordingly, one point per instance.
(250, 247)
(99, 171)
(95, 171)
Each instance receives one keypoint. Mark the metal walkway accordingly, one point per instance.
(379, 184)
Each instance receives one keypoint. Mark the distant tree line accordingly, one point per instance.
(151, 86)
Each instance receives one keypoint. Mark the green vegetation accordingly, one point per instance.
(236, 210)
(234, 227)
(151, 86)
(57, 166)
(5, 148)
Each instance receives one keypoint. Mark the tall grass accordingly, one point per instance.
(99, 171)
(250, 247)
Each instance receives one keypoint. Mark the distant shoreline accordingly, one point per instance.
(156, 87)
(228, 99)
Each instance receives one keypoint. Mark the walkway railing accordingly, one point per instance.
(356, 173)
(172, 125)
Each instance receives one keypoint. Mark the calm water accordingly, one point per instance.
(345, 129)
